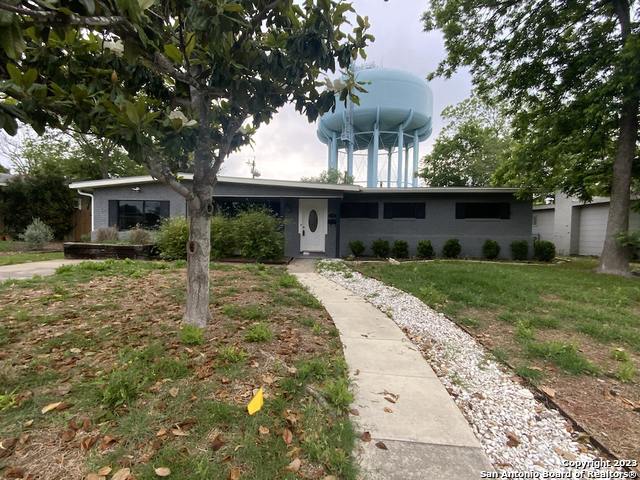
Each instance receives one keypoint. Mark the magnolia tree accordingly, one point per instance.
(569, 73)
(178, 84)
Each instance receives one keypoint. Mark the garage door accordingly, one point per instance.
(593, 225)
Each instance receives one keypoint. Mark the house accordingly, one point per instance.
(321, 219)
(576, 228)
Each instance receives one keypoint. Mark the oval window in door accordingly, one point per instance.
(313, 220)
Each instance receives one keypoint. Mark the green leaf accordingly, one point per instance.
(233, 7)
(14, 73)
(29, 77)
(132, 113)
(145, 4)
(89, 5)
(171, 51)
(190, 43)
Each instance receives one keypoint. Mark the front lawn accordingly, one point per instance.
(12, 253)
(562, 326)
(139, 391)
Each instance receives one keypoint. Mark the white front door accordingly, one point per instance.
(312, 224)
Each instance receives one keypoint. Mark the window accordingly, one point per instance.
(501, 210)
(127, 214)
(359, 210)
(404, 210)
(535, 220)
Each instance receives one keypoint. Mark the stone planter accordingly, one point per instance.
(80, 250)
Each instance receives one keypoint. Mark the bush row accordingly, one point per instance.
(254, 234)
(542, 250)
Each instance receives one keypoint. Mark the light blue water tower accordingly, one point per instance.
(394, 116)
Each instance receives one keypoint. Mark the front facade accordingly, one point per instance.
(576, 228)
(322, 219)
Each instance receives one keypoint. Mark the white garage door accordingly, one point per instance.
(593, 225)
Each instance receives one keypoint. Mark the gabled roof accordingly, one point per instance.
(114, 182)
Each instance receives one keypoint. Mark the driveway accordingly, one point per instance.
(29, 270)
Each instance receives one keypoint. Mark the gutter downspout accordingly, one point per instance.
(93, 217)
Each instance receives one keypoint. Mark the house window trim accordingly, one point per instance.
(350, 218)
(415, 217)
(482, 219)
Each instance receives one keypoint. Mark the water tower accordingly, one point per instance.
(393, 117)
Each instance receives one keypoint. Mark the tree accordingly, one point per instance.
(330, 176)
(177, 84)
(75, 156)
(469, 148)
(3, 169)
(47, 197)
(569, 73)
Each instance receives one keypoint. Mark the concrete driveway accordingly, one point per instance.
(29, 270)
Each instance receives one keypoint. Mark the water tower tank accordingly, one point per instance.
(394, 116)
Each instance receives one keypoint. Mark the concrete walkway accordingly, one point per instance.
(425, 433)
(31, 269)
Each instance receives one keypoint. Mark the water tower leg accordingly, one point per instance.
(373, 157)
(400, 152)
(406, 166)
(389, 157)
(350, 159)
(416, 157)
(333, 154)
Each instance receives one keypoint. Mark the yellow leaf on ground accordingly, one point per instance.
(51, 406)
(294, 466)
(162, 471)
(121, 474)
(104, 471)
(256, 402)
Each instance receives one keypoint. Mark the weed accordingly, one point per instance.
(288, 281)
(338, 393)
(626, 372)
(122, 387)
(531, 374)
(500, 354)
(620, 355)
(232, 354)
(246, 312)
(564, 355)
(191, 335)
(258, 332)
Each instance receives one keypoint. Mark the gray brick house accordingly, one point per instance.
(321, 219)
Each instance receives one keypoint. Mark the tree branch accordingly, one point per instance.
(168, 178)
(73, 19)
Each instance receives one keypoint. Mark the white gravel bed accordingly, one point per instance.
(517, 432)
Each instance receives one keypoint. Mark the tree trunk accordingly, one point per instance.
(198, 253)
(615, 257)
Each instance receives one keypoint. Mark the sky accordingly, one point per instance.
(287, 148)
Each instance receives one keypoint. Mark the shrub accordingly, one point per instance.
(172, 238)
(357, 248)
(37, 234)
(400, 249)
(223, 237)
(191, 335)
(451, 248)
(259, 235)
(425, 249)
(520, 250)
(139, 236)
(232, 354)
(490, 249)
(544, 250)
(380, 248)
(107, 235)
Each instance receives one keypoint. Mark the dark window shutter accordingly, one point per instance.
(460, 210)
(113, 213)
(505, 213)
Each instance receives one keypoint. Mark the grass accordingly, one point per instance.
(569, 299)
(107, 340)
(27, 257)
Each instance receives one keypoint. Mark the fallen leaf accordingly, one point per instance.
(87, 442)
(256, 402)
(263, 430)
(178, 432)
(548, 391)
(217, 443)
(68, 435)
(94, 476)
(381, 446)
(162, 471)
(234, 473)
(512, 440)
(50, 407)
(365, 437)
(174, 392)
(287, 436)
(14, 472)
(330, 477)
(121, 474)
(162, 432)
(389, 399)
(28, 423)
(106, 470)
(295, 465)
(354, 412)
(387, 410)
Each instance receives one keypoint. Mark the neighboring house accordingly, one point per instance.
(321, 219)
(576, 228)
